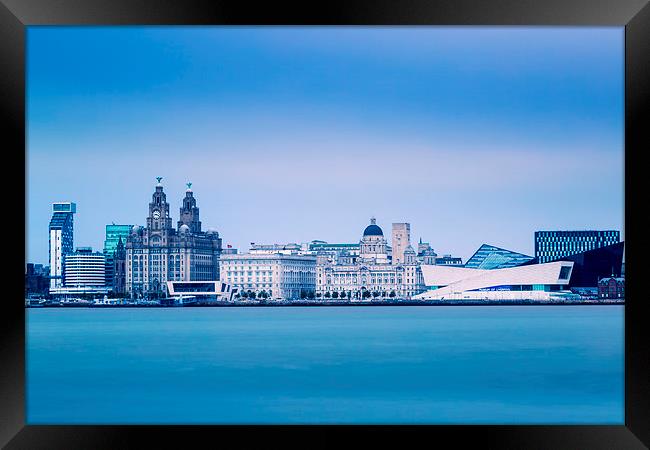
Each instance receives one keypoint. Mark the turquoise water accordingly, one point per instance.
(437, 365)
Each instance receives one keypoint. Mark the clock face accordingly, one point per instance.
(156, 214)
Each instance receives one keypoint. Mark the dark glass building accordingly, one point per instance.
(592, 265)
(552, 245)
(491, 257)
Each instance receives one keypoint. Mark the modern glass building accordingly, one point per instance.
(113, 235)
(60, 239)
(592, 265)
(491, 257)
(551, 245)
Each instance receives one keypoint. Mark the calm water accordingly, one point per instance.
(487, 365)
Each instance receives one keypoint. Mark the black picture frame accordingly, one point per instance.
(634, 15)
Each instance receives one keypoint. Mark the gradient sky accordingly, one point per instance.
(473, 135)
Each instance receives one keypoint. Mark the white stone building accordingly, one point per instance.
(283, 276)
(373, 275)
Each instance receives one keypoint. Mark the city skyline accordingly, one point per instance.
(291, 140)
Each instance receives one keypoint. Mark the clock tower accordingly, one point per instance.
(158, 221)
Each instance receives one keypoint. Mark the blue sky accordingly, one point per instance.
(473, 135)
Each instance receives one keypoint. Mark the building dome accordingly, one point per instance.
(135, 229)
(184, 228)
(373, 229)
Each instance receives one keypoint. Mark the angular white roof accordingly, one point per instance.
(460, 279)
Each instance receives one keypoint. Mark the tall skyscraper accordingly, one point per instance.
(401, 239)
(61, 239)
(551, 245)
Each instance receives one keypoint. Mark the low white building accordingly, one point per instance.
(282, 276)
(543, 282)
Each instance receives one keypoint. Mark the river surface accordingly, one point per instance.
(329, 365)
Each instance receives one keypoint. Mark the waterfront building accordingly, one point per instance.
(270, 249)
(158, 252)
(553, 245)
(84, 272)
(85, 268)
(275, 275)
(200, 290)
(425, 253)
(542, 282)
(448, 260)
(371, 274)
(344, 253)
(37, 279)
(592, 265)
(401, 239)
(61, 239)
(611, 287)
(115, 233)
(118, 266)
(491, 257)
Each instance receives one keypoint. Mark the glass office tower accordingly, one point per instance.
(551, 245)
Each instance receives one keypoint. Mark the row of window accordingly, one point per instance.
(576, 233)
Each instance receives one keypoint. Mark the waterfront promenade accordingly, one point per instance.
(316, 303)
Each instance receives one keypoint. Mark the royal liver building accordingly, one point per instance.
(372, 274)
(159, 252)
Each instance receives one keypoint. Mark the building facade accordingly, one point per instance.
(611, 287)
(84, 272)
(270, 249)
(372, 274)
(276, 275)
(118, 280)
(543, 282)
(552, 245)
(448, 260)
(158, 252)
(85, 268)
(61, 239)
(37, 279)
(115, 233)
(401, 239)
(426, 254)
(592, 265)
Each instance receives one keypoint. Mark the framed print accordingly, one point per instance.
(365, 218)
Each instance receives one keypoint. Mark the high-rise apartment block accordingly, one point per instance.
(61, 239)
